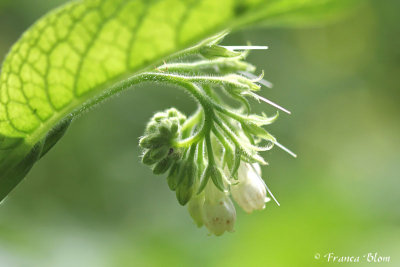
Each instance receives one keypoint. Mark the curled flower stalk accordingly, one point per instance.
(215, 153)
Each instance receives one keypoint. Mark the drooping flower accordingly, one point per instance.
(219, 213)
(250, 191)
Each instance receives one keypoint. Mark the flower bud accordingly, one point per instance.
(159, 153)
(174, 128)
(187, 174)
(162, 166)
(250, 192)
(147, 159)
(160, 134)
(219, 211)
(173, 178)
(150, 141)
(184, 192)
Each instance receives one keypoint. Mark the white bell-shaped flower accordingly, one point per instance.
(250, 191)
(218, 211)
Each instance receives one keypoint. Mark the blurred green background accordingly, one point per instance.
(90, 202)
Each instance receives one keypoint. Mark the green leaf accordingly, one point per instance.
(84, 52)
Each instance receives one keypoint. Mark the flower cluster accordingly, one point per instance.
(158, 141)
(212, 155)
(214, 208)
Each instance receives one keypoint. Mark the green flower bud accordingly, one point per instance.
(162, 166)
(173, 112)
(147, 159)
(183, 193)
(145, 142)
(160, 133)
(151, 127)
(159, 116)
(174, 128)
(185, 188)
(159, 153)
(151, 141)
(165, 129)
(173, 178)
(151, 156)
